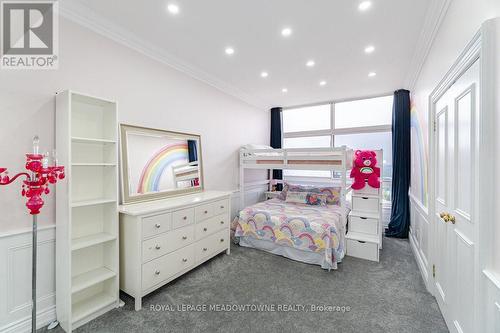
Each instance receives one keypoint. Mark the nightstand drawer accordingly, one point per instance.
(182, 218)
(166, 243)
(155, 225)
(362, 249)
(365, 204)
(159, 270)
(363, 224)
(211, 225)
(220, 206)
(203, 212)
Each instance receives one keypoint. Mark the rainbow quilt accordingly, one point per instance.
(319, 229)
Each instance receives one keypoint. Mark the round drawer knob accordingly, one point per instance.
(157, 225)
(205, 229)
(221, 240)
(206, 212)
(157, 247)
(184, 237)
(185, 218)
(221, 207)
(221, 222)
(157, 272)
(204, 249)
(184, 260)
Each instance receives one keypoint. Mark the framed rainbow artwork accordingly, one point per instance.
(158, 163)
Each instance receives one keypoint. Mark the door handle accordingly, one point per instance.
(444, 216)
(447, 217)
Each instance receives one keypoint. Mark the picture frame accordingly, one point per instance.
(158, 164)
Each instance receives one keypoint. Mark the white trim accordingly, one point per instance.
(84, 16)
(43, 318)
(24, 231)
(434, 17)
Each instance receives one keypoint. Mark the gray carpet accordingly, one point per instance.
(389, 296)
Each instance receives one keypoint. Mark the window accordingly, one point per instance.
(358, 124)
(307, 119)
(364, 112)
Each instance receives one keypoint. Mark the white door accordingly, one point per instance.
(455, 156)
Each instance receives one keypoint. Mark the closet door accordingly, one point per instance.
(455, 149)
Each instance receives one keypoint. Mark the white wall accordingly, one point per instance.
(149, 93)
(462, 21)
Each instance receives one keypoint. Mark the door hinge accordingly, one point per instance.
(434, 125)
(433, 271)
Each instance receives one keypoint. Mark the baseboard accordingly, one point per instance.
(43, 318)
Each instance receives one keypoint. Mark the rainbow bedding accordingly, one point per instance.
(309, 229)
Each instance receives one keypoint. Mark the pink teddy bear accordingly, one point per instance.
(364, 168)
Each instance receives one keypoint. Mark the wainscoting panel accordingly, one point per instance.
(15, 280)
(419, 231)
(491, 293)
(253, 194)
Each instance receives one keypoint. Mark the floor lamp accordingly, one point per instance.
(40, 174)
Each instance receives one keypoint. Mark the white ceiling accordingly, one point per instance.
(332, 32)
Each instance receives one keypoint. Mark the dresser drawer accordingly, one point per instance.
(203, 212)
(154, 225)
(363, 224)
(220, 206)
(362, 249)
(211, 245)
(163, 244)
(365, 204)
(159, 270)
(211, 225)
(182, 218)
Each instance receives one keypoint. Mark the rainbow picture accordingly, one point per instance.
(419, 145)
(163, 159)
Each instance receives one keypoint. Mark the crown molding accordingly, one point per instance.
(86, 17)
(433, 18)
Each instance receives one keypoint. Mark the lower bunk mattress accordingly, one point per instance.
(311, 234)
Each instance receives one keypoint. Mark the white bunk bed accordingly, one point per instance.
(337, 160)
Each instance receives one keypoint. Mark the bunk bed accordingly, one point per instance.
(314, 234)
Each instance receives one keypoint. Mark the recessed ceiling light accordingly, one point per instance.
(229, 50)
(369, 49)
(310, 63)
(286, 32)
(364, 5)
(173, 8)
(322, 83)
(284, 90)
(264, 74)
(372, 74)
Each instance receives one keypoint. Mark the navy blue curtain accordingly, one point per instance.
(192, 151)
(276, 139)
(400, 213)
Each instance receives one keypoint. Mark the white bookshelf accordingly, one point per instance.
(86, 209)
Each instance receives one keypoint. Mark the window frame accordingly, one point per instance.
(332, 132)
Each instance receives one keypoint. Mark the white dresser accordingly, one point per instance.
(364, 231)
(161, 240)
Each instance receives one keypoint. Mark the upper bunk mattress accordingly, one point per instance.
(318, 229)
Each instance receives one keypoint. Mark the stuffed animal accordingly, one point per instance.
(365, 168)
